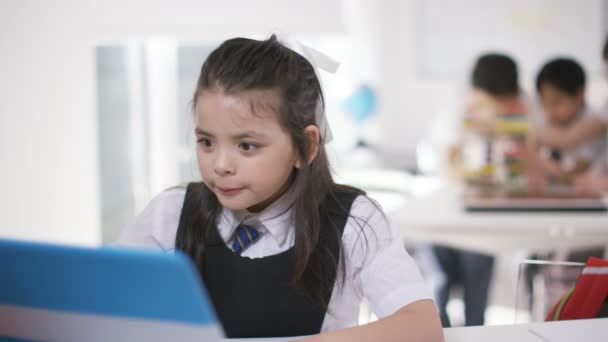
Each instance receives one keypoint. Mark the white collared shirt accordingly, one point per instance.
(378, 268)
(592, 150)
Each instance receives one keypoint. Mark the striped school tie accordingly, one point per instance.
(245, 236)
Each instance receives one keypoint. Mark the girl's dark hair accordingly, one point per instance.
(496, 74)
(564, 74)
(242, 64)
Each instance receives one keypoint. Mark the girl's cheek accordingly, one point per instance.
(202, 162)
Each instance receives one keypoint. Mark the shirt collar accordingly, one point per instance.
(276, 219)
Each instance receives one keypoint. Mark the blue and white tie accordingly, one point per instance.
(245, 236)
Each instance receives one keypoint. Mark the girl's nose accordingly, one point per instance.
(223, 164)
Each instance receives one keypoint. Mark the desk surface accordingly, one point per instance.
(439, 217)
(588, 330)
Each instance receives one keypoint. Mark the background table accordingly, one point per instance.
(439, 217)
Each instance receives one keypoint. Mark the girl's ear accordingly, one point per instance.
(311, 132)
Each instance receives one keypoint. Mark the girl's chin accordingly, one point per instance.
(240, 202)
(229, 203)
(251, 207)
(233, 204)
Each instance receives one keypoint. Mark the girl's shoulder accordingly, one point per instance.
(367, 232)
(358, 198)
(167, 202)
(360, 205)
(344, 193)
(364, 212)
(157, 223)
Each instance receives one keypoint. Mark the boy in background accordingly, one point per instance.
(565, 157)
(561, 90)
(588, 128)
(495, 91)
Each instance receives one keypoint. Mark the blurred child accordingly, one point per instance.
(587, 128)
(492, 152)
(572, 147)
(561, 90)
(596, 125)
(495, 91)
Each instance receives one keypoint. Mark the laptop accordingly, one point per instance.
(66, 293)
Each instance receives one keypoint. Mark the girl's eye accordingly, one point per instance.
(204, 142)
(247, 146)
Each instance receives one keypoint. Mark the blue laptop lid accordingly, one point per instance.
(108, 281)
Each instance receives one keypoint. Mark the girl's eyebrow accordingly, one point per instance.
(246, 134)
(199, 131)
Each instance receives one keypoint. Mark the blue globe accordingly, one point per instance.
(361, 104)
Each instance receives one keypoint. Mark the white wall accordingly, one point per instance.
(48, 125)
(406, 100)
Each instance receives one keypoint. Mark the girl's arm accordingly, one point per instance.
(381, 271)
(415, 322)
(564, 138)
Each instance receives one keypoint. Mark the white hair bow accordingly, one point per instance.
(318, 60)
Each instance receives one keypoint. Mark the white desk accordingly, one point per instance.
(591, 330)
(439, 217)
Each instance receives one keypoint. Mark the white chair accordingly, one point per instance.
(540, 284)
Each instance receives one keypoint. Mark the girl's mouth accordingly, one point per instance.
(229, 191)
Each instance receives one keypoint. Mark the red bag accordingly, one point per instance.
(588, 298)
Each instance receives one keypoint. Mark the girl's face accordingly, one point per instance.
(244, 156)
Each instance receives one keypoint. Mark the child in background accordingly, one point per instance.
(492, 152)
(281, 248)
(590, 127)
(561, 90)
(495, 93)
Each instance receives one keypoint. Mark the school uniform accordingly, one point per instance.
(591, 151)
(251, 291)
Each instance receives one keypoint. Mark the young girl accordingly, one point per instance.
(281, 248)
